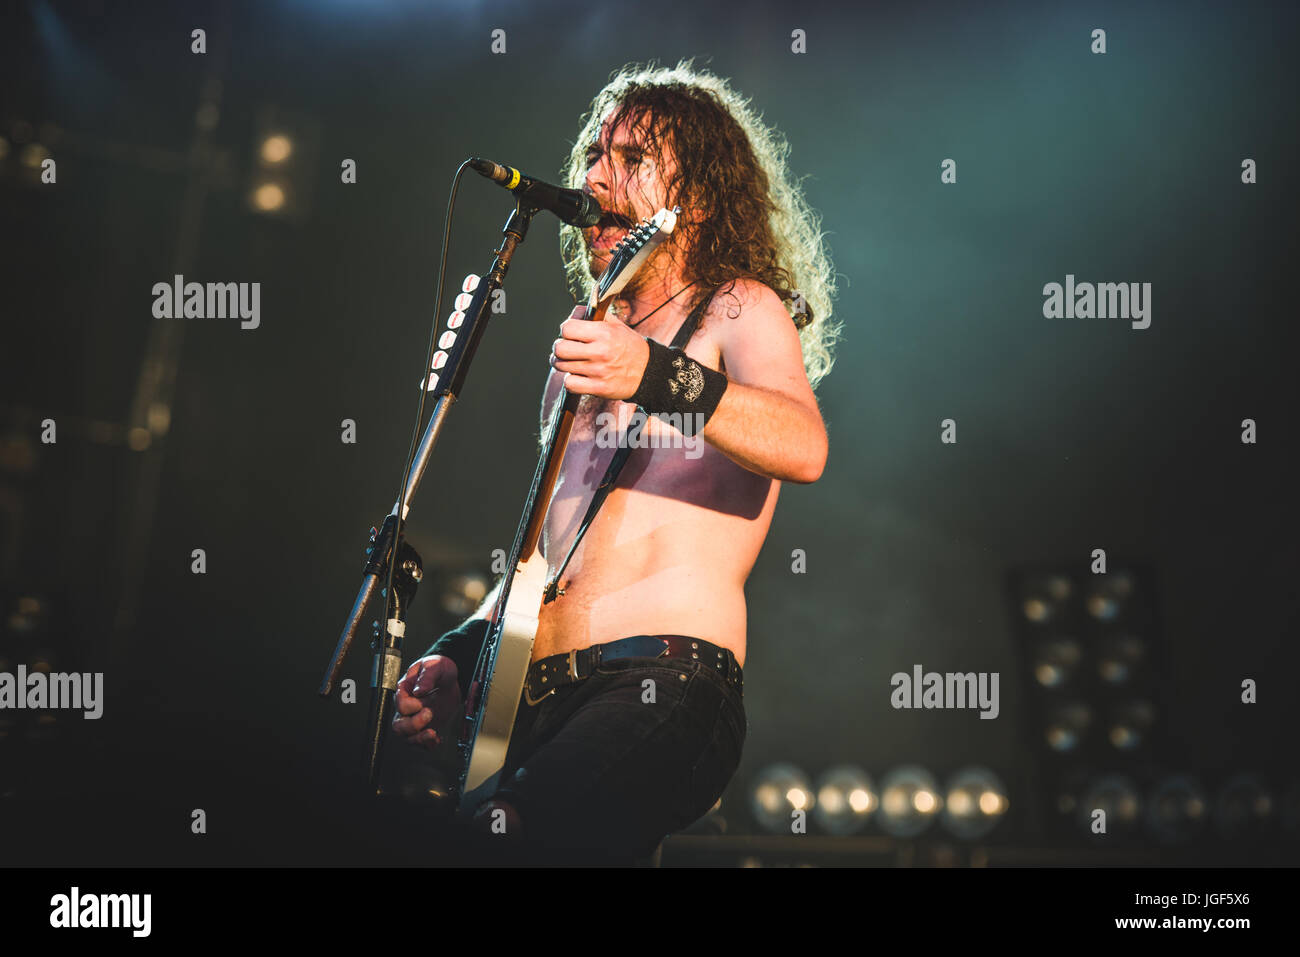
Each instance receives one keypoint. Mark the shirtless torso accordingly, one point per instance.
(676, 538)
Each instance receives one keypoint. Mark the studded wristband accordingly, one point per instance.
(674, 382)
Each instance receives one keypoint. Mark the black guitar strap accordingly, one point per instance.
(616, 464)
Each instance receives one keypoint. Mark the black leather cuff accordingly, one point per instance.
(674, 382)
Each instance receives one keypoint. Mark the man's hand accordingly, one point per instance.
(428, 702)
(605, 359)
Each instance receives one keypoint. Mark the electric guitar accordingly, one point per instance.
(498, 679)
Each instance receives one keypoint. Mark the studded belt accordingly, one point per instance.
(556, 671)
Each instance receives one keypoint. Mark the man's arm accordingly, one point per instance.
(767, 419)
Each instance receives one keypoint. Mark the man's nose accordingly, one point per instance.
(599, 183)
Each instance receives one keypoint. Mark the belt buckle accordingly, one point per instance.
(573, 664)
(534, 702)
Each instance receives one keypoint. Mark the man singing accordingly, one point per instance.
(645, 738)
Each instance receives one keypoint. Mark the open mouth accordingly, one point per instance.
(611, 228)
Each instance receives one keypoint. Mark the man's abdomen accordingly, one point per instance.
(668, 556)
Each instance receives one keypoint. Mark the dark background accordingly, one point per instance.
(1072, 434)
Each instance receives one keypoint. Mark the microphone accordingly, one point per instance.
(573, 206)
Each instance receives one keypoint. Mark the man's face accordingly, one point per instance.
(629, 183)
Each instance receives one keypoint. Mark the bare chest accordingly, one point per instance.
(662, 455)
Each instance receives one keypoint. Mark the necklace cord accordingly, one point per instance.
(633, 325)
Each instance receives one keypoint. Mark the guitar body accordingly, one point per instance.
(498, 680)
(499, 700)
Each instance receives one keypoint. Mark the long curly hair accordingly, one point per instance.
(757, 224)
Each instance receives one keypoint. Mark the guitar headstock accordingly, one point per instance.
(631, 252)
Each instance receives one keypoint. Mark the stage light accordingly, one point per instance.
(1118, 658)
(276, 149)
(33, 155)
(285, 151)
(846, 799)
(1067, 726)
(463, 593)
(1090, 677)
(779, 791)
(1106, 598)
(1177, 810)
(268, 197)
(1129, 723)
(27, 614)
(1056, 661)
(1116, 795)
(974, 803)
(1044, 597)
(159, 418)
(909, 801)
(1244, 809)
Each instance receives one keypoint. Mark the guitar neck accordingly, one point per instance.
(546, 475)
(549, 475)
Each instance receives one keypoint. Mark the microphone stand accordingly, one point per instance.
(387, 644)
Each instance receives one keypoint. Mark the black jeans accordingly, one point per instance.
(610, 765)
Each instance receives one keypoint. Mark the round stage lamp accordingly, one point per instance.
(1056, 662)
(1116, 796)
(777, 792)
(846, 799)
(1177, 810)
(1129, 724)
(1244, 809)
(1118, 658)
(1045, 598)
(1067, 726)
(975, 802)
(909, 801)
